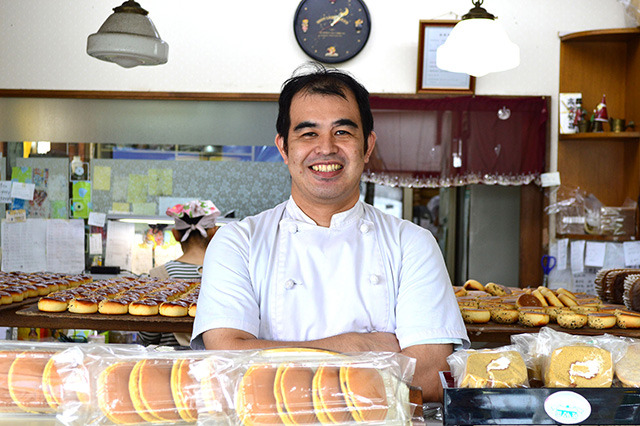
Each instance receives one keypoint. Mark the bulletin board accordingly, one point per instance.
(51, 179)
(138, 186)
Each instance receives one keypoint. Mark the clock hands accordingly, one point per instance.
(339, 16)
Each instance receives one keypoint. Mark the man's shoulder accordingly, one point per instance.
(389, 221)
(260, 222)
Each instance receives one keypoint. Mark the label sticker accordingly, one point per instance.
(567, 407)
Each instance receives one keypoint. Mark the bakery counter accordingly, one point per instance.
(28, 315)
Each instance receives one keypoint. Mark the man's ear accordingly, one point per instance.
(280, 145)
(371, 143)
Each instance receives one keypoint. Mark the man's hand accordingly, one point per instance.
(232, 339)
(430, 359)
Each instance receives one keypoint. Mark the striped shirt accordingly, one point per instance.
(179, 270)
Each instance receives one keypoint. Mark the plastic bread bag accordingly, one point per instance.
(527, 345)
(627, 369)
(502, 367)
(31, 384)
(295, 385)
(79, 368)
(578, 361)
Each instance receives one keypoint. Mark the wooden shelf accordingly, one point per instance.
(589, 237)
(620, 136)
(615, 34)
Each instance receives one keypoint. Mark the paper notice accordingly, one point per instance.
(23, 246)
(631, 253)
(22, 191)
(65, 246)
(102, 178)
(142, 259)
(119, 242)
(5, 191)
(594, 255)
(95, 243)
(97, 219)
(563, 248)
(577, 256)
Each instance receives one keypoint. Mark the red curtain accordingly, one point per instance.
(458, 141)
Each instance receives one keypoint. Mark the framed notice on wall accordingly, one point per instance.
(432, 79)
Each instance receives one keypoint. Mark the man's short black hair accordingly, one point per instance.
(323, 81)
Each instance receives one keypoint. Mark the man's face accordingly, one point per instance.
(325, 150)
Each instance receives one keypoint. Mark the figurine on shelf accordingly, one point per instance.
(580, 120)
(601, 115)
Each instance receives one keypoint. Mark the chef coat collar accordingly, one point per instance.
(337, 220)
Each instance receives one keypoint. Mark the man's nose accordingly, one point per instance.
(326, 145)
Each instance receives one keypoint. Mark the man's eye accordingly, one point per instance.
(343, 132)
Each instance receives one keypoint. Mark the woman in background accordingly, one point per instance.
(195, 225)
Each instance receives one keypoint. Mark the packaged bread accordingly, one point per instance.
(627, 369)
(489, 368)
(305, 386)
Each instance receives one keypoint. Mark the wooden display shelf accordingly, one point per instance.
(30, 316)
(501, 333)
(616, 136)
(604, 238)
(606, 35)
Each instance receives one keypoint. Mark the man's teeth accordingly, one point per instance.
(326, 167)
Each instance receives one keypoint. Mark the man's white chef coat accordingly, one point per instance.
(279, 276)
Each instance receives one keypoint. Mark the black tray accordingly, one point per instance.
(610, 406)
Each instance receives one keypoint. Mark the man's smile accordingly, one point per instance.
(326, 167)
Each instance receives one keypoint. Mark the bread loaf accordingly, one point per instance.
(494, 369)
(579, 366)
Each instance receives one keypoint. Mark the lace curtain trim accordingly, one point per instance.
(411, 181)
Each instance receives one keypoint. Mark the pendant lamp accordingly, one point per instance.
(128, 38)
(477, 45)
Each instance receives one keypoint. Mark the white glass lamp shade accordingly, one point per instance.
(477, 47)
(129, 40)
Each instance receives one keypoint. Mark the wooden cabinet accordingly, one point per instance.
(594, 63)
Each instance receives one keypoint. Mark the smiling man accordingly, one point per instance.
(324, 269)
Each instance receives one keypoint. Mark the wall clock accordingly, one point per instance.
(332, 31)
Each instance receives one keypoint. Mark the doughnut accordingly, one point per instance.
(192, 309)
(566, 292)
(144, 307)
(552, 299)
(365, 393)
(567, 300)
(496, 289)
(113, 306)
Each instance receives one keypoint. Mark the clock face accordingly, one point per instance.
(332, 31)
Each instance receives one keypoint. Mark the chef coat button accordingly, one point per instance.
(374, 279)
(364, 228)
(293, 228)
(289, 284)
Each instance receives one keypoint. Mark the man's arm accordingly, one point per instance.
(430, 359)
(232, 339)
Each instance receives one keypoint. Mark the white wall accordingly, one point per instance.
(248, 46)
